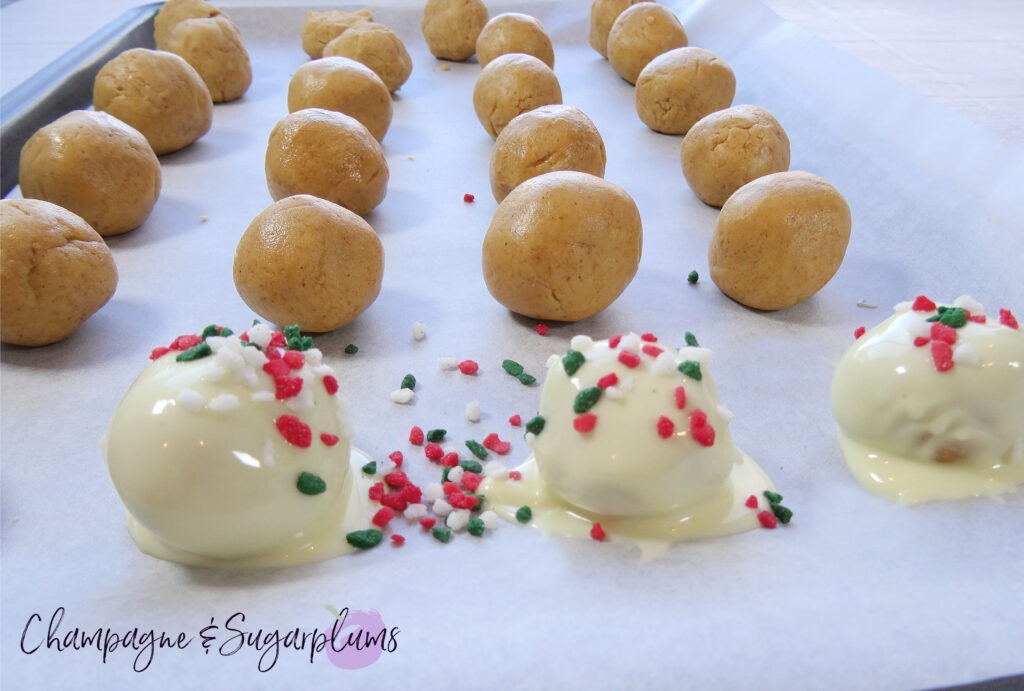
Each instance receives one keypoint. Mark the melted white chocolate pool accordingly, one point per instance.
(914, 429)
(643, 471)
(208, 478)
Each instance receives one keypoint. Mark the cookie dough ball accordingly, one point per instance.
(641, 33)
(328, 155)
(543, 140)
(779, 240)
(451, 27)
(95, 166)
(346, 86)
(727, 149)
(377, 47)
(157, 93)
(679, 87)
(603, 14)
(214, 48)
(55, 272)
(562, 246)
(307, 261)
(320, 28)
(174, 11)
(511, 85)
(513, 32)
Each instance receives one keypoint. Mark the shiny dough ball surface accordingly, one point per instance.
(511, 85)
(346, 86)
(678, 88)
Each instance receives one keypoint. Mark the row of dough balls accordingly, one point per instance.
(780, 236)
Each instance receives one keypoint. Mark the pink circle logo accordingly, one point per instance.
(356, 639)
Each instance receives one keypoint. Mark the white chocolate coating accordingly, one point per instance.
(640, 471)
(206, 476)
(911, 432)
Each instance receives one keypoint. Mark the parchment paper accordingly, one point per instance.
(855, 593)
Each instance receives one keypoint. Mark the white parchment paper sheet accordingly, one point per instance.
(856, 593)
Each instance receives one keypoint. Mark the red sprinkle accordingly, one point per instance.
(921, 341)
(397, 479)
(331, 384)
(294, 358)
(397, 540)
(751, 502)
(158, 353)
(450, 459)
(329, 439)
(978, 318)
(272, 353)
(286, 387)
(942, 356)
(428, 522)
(394, 500)
(666, 428)
(941, 332)
(584, 422)
(185, 342)
(383, 517)
(433, 451)
(1007, 319)
(629, 359)
(859, 331)
(649, 337)
(397, 458)
(294, 430)
(613, 342)
(610, 379)
(471, 481)
(458, 500)
(597, 532)
(703, 433)
(680, 397)
(516, 420)
(277, 368)
(412, 494)
(467, 197)
(515, 475)
(495, 444)
(652, 350)
(450, 488)
(416, 436)
(278, 340)
(541, 329)
(376, 491)
(768, 519)
(469, 367)
(923, 304)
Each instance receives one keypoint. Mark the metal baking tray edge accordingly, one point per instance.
(65, 85)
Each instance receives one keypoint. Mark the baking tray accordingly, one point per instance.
(856, 593)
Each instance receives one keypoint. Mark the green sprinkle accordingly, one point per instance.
(214, 330)
(954, 317)
(475, 527)
(370, 468)
(409, 382)
(526, 379)
(691, 340)
(782, 513)
(351, 349)
(586, 399)
(471, 465)
(480, 499)
(692, 277)
(295, 340)
(536, 425)
(524, 514)
(477, 449)
(444, 473)
(441, 534)
(308, 483)
(512, 367)
(436, 435)
(691, 368)
(572, 361)
(772, 497)
(364, 539)
(195, 352)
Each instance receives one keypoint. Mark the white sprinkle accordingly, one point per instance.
(419, 331)
(415, 511)
(490, 519)
(458, 520)
(495, 469)
(260, 334)
(630, 342)
(966, 354)
(613, 392)
(253, 357)
(455, 474)
(441, 508)
(314, 357)
(302, 402)
(446, 364)
(432, 492)
(224, 402)
(473, 411)
(190, 399)
(323, 370)
(865, 304)
(450, 448)
(581, 343)
(919, 328)
(665, 363)
(385, 467)
(216, 343)
(263, 396)
(966, 302)
(698, 353)
(626, 382)
(402, 396)
(552, 361)
(232, 361)
(905, 306)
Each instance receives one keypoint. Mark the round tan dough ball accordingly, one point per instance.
(562, 246)
(345, 86)
(679, 87)
(95, 166)
(513, 32)
(779, 240)
(543, 140)
(55, 272)
(328, 155)
(320, 28)
(511, 85)
(307, 261)
(603, 14)
(214, 48)
(727, 149)
(173, 12)
(377, 47)
(641, 33)
(451, 27)
(157, 93)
